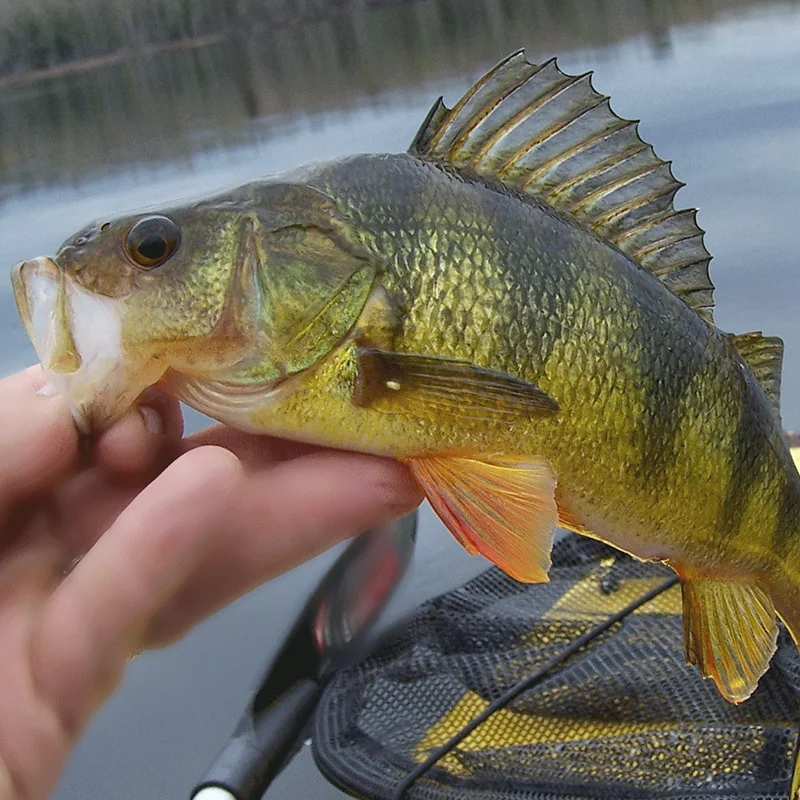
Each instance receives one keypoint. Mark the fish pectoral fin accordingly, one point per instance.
(730, 633)
(407, 382)
(503, 508)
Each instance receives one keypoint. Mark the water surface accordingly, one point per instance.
(716, 84)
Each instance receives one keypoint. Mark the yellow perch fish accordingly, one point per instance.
(514, 308)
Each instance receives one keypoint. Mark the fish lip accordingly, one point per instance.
(42, 298)
(20, 295)
(43, 265)
(77, 335)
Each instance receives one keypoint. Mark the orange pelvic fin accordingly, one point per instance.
(503, 508)
(730, 632)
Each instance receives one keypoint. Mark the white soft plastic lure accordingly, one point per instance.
(78, 338)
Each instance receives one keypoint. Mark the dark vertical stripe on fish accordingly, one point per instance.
(785, 528)
(750, 448)
(667, 376)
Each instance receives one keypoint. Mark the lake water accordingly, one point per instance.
(716, 84)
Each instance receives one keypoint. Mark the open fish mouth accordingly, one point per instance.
(78, 337)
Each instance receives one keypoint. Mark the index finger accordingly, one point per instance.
(97, 615)
(38, 439)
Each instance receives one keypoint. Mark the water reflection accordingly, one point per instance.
(171, 104)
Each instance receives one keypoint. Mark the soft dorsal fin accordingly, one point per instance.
(552, 136)
(764, 356)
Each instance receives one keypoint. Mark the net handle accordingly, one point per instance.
(527, 683)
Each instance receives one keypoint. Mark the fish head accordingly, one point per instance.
(252, 285)
(126, 299)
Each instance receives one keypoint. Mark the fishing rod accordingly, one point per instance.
(332, 631)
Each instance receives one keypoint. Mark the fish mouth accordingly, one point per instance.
(77, 335)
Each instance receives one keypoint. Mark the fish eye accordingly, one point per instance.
(151, 241)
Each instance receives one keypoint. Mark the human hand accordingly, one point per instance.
(126, 545)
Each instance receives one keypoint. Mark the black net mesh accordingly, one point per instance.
(624, 718)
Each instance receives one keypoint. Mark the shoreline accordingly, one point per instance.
(241, 25)
(237, 27)
(97, 62)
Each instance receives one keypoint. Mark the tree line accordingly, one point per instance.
(39, 35)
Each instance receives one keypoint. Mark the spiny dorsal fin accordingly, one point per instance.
(552, 136)
(764, 356)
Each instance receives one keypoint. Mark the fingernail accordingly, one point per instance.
(152, 419)
(47, 390)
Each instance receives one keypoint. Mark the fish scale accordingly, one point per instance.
(644, 383)
(577, 363)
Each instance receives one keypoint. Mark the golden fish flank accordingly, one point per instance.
(514, 307)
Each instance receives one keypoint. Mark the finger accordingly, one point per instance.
(254, 451)
(38, 439)
(283, 516)
(86, 506)
(137, 444)
(127, 458)
(96, 616)
(91, 501)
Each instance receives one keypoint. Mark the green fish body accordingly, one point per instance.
(664, 444)
(514, 308)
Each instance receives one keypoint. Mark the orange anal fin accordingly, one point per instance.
(730, 632)
(439, 502)
(503, 509)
